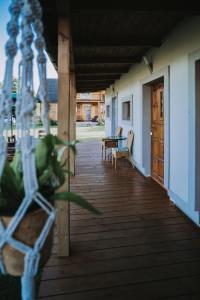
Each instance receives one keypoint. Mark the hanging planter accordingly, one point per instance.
(27, 232)
(51, 175)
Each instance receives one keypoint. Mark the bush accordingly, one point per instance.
(53, 122)
(100, 123)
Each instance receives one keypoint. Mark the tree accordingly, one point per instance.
(14, 85)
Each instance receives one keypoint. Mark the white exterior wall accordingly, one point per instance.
(173, 55)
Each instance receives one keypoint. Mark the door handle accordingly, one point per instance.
(151, 133)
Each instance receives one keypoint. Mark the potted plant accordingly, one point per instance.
(51, 175)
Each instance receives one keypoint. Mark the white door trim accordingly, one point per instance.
(193, 145)
(146, 123)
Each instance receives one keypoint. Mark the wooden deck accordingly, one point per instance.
(140, 248)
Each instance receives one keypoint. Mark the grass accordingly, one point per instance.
(82, 132)
(90, 132)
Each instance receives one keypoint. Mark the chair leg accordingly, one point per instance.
(112, 159)
(105, 153)
(131, 162)
(102, 151)
(115, 163)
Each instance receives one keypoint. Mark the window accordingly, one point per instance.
(107, 111)
(126, 110)
(85, 96)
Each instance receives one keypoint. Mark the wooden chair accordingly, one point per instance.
(108, 143)
(123, 152)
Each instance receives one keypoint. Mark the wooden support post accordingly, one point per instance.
(72, 119)
(75, 95)
(63, 216)
(99, 111)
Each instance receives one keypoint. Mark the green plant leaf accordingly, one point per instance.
(42, 155)
(58, 141)
(12, 192)
(60, 153)
(72, 146)
(44, 179)
(77, 199)
(58, 171)
(16, 166)
(51, 175)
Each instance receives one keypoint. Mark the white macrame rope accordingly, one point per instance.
(6, 97)
(29, 13)
(41, 60)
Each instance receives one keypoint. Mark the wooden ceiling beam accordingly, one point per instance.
(107, 60)
(140, 11)
(98, 76)
(94, 80)
(96, 70)
(130, 41)
(113, 5)
(63, 8)
(93, 85)
(90, 90)
(103, 72)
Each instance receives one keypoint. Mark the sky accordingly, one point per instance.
(4, 18)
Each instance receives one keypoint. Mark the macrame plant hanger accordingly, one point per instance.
(26, 20)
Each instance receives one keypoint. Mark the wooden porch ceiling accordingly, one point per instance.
(109, 37)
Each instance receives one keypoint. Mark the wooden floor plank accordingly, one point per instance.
(141, 247)
(129, 262)
(123, 252)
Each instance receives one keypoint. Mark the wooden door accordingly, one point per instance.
(157, 128)
(87, 112)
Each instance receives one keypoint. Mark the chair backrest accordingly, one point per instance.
(130, 140)
(118, 131)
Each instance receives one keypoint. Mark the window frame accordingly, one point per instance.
(107, 111)
(124, 100)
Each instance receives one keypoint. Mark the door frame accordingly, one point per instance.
(114, 100)
(146, 123)
(194, 143)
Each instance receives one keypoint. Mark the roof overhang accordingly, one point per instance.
(109, 36)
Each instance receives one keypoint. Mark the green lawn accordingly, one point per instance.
(90, 132)
(82, 132)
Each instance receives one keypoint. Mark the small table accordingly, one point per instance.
(116, 139)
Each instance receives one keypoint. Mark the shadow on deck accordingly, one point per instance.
(141, 247)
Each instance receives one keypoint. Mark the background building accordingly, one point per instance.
(52, 94)
(90, 106)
